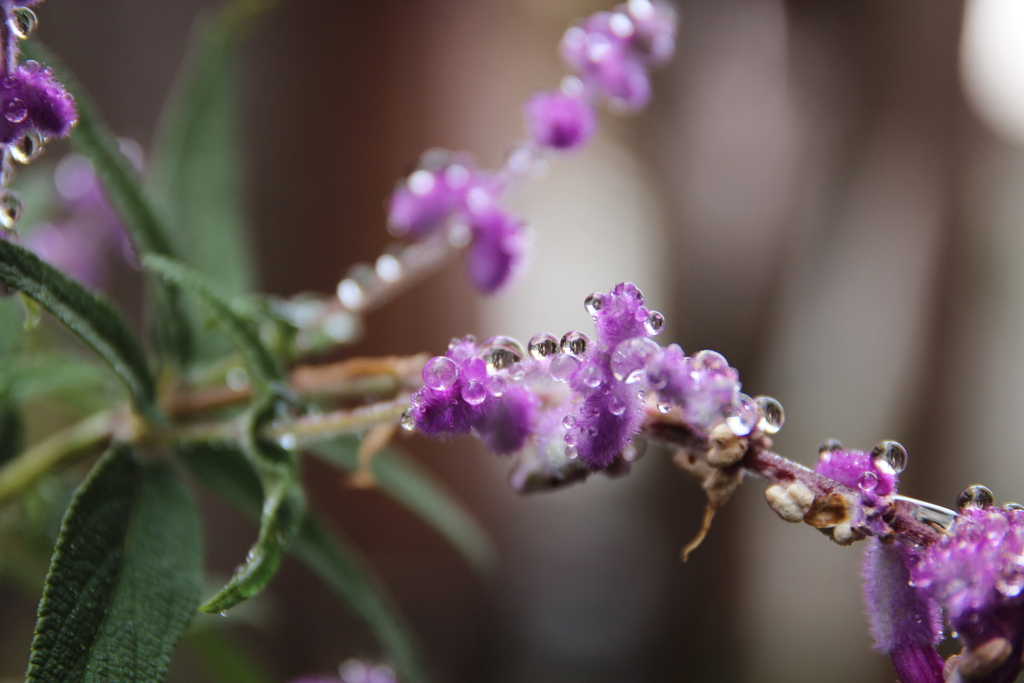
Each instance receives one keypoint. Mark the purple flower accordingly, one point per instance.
(32, 101)
(355, 671)
(705, 388)
(426, 200)
(904, 624)
(559, 121)
(976, 574)
(496, 248)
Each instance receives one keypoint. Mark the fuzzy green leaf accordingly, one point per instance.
(90, 317)
(196, 161)
(230, 475)
(146, 228)
(124, 580)
(411, 485)
(263, 368)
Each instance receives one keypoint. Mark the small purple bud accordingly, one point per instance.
(559, 121)
(31, 100)
(496, 250)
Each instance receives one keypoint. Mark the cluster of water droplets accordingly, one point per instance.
(22, 23)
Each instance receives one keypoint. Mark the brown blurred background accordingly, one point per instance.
(827, 192)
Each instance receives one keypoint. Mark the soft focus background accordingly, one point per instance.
(829, 193)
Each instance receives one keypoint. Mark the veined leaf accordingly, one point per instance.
(263, 368)
(87, 315)
(231, 476)
(146, 228)
(408, 483)
(124, 580)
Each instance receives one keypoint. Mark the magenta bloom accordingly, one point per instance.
(559, 121)
(496, 250)
(977, 575)
(32, 101)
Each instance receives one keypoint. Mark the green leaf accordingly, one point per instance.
(230, 475)
(34, 375)
(408, 483)
(90, 317)
(281, 512)
(124, 580)
(196, 162)
(146, 228)
(263, 368)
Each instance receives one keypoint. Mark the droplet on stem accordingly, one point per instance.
(772, 415)
(27, 148)
(10, 208)
(23, 22)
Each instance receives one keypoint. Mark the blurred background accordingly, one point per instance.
(829, 193)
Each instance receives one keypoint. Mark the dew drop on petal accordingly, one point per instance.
(474, 393)
(630, 358)
(543, 345)
(867, 481)
(562, 367)
(501, 353)
(655, 323)
(975, 496)
(772, 416)
(440, 373)
(23, 22)
(569, 421)
(892, 454)
(616, 406)
(15, 110)
(27, 148)
(495, 385)
(1013, 506)
(594, 303)
(10, 208)
(711, 360)
(408, 421)
(575, 343)
(741, 415)
(592, 376)
(830, 445)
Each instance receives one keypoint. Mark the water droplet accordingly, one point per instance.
(569, 421)
(630, 358)
(741, 415)
(288, 442)
(830, 445)
(655, 322)
(571, 452)
(1013, 506)
(616, 406)
(389, 268)
(15, 110)
(867, 481)
(975, 496)
(474, 393)
(224, 613)
(543, 345)
(517, 371)
(892, 454)
(408, 421)
(440, 373)
(571, 438)
(562, 367)
(350, 294)
(594, 303)
(10, 208)
(421, 182)
(663, 408)
(711, 360)
(27, 148)
(237, 379)
(495, 385)
(501, 353)
(592, 376)
(23, 22)
(772, 416)
(575, 343)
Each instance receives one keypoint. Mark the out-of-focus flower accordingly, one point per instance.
(560, 121)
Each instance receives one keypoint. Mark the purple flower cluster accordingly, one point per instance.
(31, 101)
(355, 671)
(610, 54)
(976, 574)
(579, 402)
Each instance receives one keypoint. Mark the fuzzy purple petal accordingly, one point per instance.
(619, 315)
(31, 100)
(904, 624)
(858, 470)
(506, 428)
(559, 121)
(496, 250)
